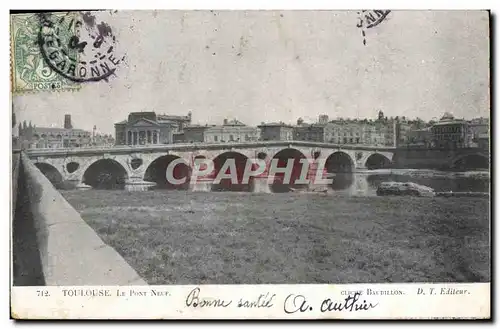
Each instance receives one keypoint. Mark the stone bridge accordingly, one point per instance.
(148, 163)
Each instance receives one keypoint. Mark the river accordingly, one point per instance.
(365, 183)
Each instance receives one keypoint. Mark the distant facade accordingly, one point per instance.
(341, 131)
(104, 140)
(275, 132)
(451, 133)
(379, 132)
(419, 138)
(143, 128)
(310, 132)
(479, 129)
(229, 131)
(31, 136)
(483, 142)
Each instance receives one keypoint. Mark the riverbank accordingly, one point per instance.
(176, 237)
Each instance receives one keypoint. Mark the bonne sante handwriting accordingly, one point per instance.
(194, 299)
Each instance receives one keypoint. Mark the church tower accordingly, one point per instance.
(380, 115)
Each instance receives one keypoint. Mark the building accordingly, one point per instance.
(229, 131)
(451, 133)
(380, 132)
(412, 133)
(483, 142)
(31, 136)
(419, 138)
(275, 132)
(103, 140)
(342, 131)
(310, 132)
(323, 119)
(478, 129)
(143, 128)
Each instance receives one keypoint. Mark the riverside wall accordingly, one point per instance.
(431, 158)
(52, 243)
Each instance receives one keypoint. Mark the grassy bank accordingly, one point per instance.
(226, 238)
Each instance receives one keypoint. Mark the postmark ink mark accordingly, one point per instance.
(77, 47)
(368, 19)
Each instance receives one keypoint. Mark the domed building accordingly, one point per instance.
(447, 116)
(451, 133)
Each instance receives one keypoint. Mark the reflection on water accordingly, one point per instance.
(261, 186)
(365, 183)
(202, 187)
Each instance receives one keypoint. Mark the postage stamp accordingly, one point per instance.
(29, 70)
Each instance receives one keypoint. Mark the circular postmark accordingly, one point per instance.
(78, 48)
(368, 19)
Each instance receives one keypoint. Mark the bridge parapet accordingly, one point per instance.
(71, 253)
(203, 147)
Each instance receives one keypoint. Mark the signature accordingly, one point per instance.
(351, 303)
(298, 303)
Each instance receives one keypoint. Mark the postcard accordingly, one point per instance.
(250, 164)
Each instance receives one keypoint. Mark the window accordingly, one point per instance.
(216, 138)
(231, 138)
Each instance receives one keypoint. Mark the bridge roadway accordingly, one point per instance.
(124, 149)
(148, 162)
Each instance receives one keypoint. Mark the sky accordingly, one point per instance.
(268, 66)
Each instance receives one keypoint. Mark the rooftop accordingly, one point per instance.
(450, 122)
(54, 130)
(233, 122)
(274, 124)
(198, 126)
(173, 117)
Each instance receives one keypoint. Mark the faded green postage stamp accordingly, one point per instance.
(29, 70)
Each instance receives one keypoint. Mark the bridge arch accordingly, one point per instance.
(280, 160)
(471, 161)
(156, 172)
(233, 163)
(343, 165)
(377, 161)
(339, 161)
(105, 174)
(51, 172)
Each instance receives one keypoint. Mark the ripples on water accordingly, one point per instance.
(365, 183)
